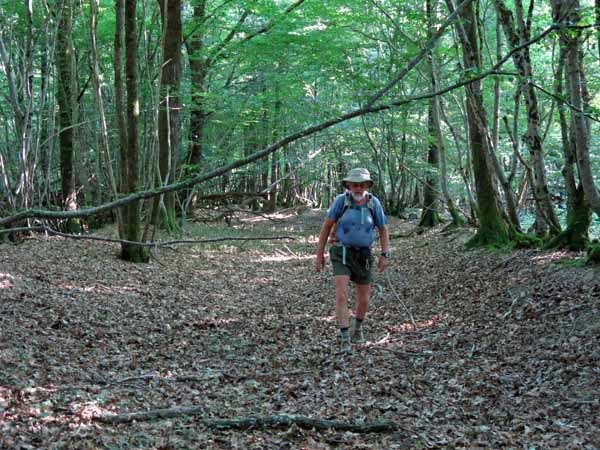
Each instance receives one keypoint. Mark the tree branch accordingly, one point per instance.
(245, 423)
(272, 23)
(422, 53)
(217, 51)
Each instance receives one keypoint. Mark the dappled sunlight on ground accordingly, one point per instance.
(552, 257)
(6, 280)
(281, 258)
(215, 322)
(328, 319)
(97, 288)
(32, 406)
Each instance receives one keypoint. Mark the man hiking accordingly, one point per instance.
(355, 214)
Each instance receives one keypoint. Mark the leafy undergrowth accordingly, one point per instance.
(505, 351)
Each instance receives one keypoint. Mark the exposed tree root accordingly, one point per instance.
(244, 423)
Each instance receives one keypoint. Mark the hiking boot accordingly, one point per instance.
(356, 334)
(345, 344)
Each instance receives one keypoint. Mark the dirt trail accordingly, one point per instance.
(505, 353)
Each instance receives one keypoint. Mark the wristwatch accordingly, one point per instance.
(385, 254)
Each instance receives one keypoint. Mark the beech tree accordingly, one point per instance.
(67, 109)
(168, 112)
(515, 35)
(493, 230)
(131, 251)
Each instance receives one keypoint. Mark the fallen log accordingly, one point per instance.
(245, 423)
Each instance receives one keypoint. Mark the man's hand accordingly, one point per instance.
(382, 263)
(320, 262)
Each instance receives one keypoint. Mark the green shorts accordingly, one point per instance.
(357, 267)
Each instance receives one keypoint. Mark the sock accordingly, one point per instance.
(345, 333)
(357, 323)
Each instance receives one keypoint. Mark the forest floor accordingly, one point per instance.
(464, 349)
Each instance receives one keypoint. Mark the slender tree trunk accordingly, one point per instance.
(169, 105)
(492, 228)
(429, 213)
(66, 100)
(198, 115)
(130, 251)
(459, 141)
(575, 236)
(505, 182)
(271, 203)
(437, 150)
(104, 141)
(580, 123)
(515, 35)
(17, 74)
(120, 109)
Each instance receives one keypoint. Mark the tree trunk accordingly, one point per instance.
(505, 182)
(436, 156)
(65, 97)
(522, 60)
(198, 115)
(429, 213)
(579, 99)
(120, 109)
(575, 236)
(492, 228)
(104, 141)
(168, 112)
(131, 251)
(459, 141)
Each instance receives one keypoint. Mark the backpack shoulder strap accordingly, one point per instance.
(370, 202)
(347, 204)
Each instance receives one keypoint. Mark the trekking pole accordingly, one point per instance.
(391, 286)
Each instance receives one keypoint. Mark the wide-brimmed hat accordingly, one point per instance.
(358, 175)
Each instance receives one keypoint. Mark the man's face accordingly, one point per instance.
(358, 189)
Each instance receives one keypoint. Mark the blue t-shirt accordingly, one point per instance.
(356, 226)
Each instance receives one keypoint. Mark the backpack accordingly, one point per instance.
(348, 204)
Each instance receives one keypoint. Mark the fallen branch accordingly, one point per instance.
(245, 423)
(54, 232)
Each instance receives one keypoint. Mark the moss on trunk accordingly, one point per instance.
(457, 220)
(594, 254)
(493, 231)
(579, 217)
(430, 219)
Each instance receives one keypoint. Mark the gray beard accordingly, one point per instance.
(359, 197)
